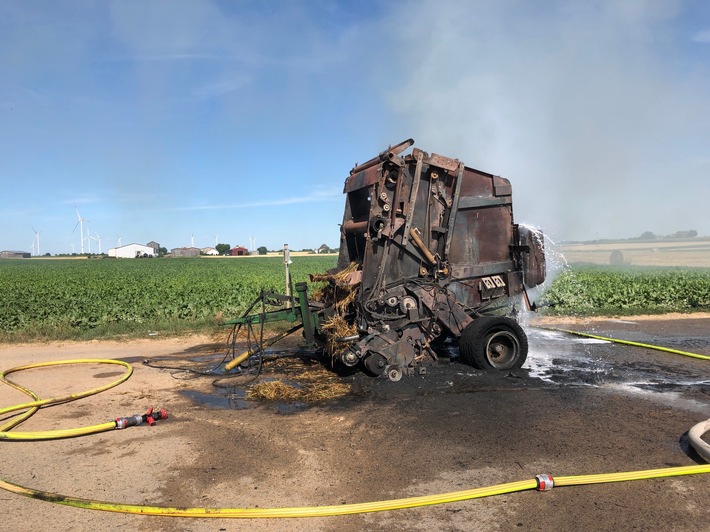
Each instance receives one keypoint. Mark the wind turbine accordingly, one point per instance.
(215, 240)
(80, 223)
(72, 248)
(98, 239)
(37, 233)
(192, 242)
(33, 247)
(88, 237)
(118, 240)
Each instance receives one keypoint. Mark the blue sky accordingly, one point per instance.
(160, 120)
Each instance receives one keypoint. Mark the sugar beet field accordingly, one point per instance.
(43, 298)
(70, 298)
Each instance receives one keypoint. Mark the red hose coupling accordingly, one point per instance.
(152, 416)
(544, 482)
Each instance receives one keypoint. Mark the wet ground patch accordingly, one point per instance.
(287, 381)
(563, 359)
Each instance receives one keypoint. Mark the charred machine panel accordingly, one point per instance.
(435, 246)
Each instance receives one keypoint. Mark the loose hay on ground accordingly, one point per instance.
(272, 391)
(311, 392)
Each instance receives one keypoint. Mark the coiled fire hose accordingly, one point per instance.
(543, 482)
(30, 408)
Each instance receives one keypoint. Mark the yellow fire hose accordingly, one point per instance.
(35, 405)
(541, 482)
(627, 342)
(347, 509)
(695, 434)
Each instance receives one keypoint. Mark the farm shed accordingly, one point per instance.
(238, 251)
(14, 255)
(209, 251)
(131, 251)
(156, 247)
(185, 252)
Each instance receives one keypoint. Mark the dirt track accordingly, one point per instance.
(577, 407)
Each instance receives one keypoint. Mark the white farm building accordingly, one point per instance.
(131, 251)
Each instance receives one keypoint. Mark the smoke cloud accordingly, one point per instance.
(592, 109)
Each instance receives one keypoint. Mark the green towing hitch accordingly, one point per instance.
(298, 310)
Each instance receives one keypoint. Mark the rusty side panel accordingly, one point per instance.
(379, 206)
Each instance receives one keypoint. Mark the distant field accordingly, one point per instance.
(65, 298)
(692, 253)
(90, 298)
(624, 290)
(274, 254)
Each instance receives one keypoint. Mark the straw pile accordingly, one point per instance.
(312, 386)
(315, 384)
(336, 292)
(336, 327)
(312, 393)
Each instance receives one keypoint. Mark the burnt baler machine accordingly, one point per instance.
(428, 252)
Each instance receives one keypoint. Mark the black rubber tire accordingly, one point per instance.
(494, 343)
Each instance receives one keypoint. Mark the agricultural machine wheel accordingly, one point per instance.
(494, 343)
(394, 373)
(375, 364)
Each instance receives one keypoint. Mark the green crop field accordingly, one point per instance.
(94, 298)
(624, 290)
(88, 298)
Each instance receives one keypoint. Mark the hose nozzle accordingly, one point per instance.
(150, 417)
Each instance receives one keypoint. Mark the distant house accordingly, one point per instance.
(209, 251)
(15, 255)
(238, 251)
(131, 251)
(185, 252)
(156, 247)
(323, 249)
